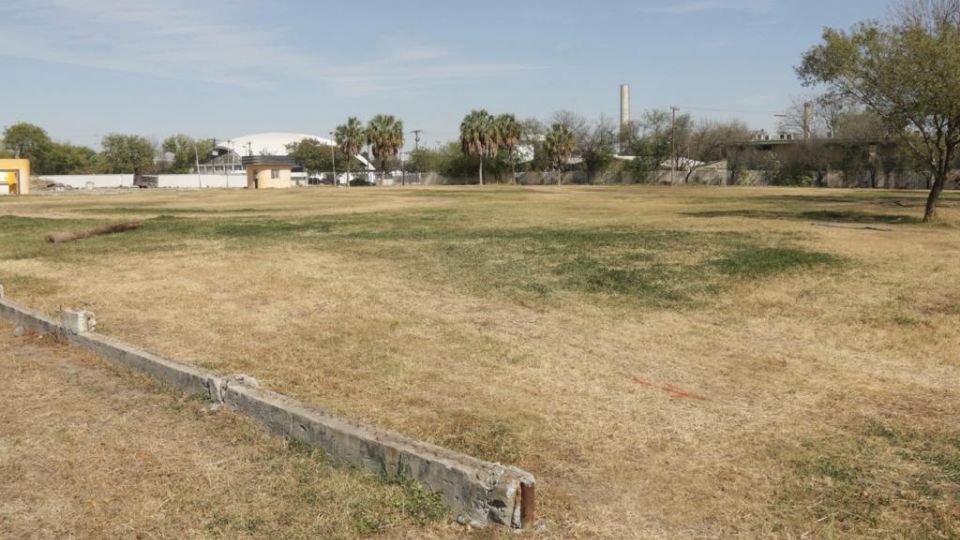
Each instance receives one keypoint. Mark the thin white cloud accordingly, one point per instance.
(202, 41)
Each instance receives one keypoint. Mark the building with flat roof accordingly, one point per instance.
(14, 176)
(268, 172)
(230, 153)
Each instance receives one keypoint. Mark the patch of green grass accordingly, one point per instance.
(650, 266)
(853, 216)
(757, 261)
(799, 213)
(407, 502)
(876, 475)
(171, 210)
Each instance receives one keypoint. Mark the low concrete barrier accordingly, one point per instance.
(478, 492)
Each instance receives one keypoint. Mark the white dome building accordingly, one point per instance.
(266, 144)
(230, 152)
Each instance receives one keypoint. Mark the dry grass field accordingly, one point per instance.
(689, 361)
(87, 451)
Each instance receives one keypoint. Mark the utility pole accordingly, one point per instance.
(807, 110)
(673, 143)
(333, 160)
(416, 139)
(196, 157)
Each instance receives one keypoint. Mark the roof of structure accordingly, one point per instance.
(267, 144)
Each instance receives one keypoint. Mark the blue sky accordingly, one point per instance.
(224, 68)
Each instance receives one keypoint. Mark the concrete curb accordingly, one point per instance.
(478, 492)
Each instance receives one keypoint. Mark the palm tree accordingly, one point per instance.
(508, 134)
(385, 137)
(478, 136)
(349, 137)
(559, 145)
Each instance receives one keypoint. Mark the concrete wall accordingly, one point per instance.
(83, 181)
(15, 176)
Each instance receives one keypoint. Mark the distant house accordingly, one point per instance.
(232, 156)
(268, 172)
(14, 176)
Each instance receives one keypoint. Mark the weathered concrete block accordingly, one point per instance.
(78, 321)
(28, 318)
(183, 377)
(478, 492)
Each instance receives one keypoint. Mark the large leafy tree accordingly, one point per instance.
(64, 158)
(559, 145)
(350, 137)
(907, 72)
(385, 137)
(186, 151)
(508, 133)
(311, 155)
(26, 141)
(596, 148)
(126, 153)
(315, 156)
(478, 136)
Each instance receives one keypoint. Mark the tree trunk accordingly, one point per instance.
(481, 168)
(930, 213)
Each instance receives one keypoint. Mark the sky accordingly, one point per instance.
(226, 68)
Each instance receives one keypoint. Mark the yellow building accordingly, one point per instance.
(268, 172)
(14, 176)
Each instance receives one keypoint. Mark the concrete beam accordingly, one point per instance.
(478, 492)
(78, 322)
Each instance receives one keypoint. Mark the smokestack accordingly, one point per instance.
(624, 116)
(624, 106)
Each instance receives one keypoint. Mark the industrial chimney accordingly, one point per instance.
(624, 106)
(624, 116)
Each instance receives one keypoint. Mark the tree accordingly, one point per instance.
(860, 125)
(704, 143)
(907, 72)
(385, 137)
(478, 136)
(597, 149)
(186, 151)
(508, 133)
(559, 145)
(26, 141)
(126, 153)
(575, 123)
(64, 158)
(349, 137)
(311, 155)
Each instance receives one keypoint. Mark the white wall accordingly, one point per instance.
(81, 181)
